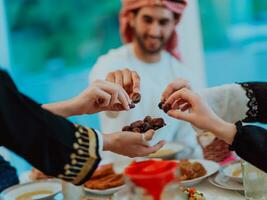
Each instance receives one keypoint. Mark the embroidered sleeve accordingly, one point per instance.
(49, 142)
(228, 101)
(257, 104)
(84, 158)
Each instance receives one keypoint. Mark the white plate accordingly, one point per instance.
(221, 181)
(230, 169)
(211, 168)
(104, 192)
(25, 177)
(51, 185)
(168, 151)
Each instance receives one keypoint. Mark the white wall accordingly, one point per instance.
(4, 50)
(190, 42)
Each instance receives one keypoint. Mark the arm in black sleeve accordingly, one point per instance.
(250, 143)
(49, 142)
(257, 105)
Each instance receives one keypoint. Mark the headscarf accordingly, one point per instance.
(176, 6)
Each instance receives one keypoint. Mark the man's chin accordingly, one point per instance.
(153, 51)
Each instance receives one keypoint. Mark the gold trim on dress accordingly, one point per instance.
(83, 157)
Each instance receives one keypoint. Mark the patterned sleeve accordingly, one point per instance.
(256, 92)
(238, 102)
(49, 142)
(230, 102)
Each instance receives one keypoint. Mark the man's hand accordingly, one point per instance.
(131, 144)
(127, 79)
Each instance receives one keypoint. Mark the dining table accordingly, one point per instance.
(210, 192)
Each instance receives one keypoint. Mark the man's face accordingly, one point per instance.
(153, 26)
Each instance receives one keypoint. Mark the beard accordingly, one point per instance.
(150, 48)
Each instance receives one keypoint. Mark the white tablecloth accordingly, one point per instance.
(212, 192)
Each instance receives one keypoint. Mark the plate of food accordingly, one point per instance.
(194, 171)
(233, 171)
(38, 190)
(168, 151)
(193, 194)
(221, 181)
(105, 181)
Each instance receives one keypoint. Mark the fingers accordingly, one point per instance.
(181, 97)
(111, 77)
(127, 80)
(119, 78)
(118, 95)
(175, 86)
(185, 107)
(157, 146)
(124, 100)
(103, 98)
(149, 135)
(153, 149)
(178, 103)
(136, 82)
(114, 97)
(181, 115)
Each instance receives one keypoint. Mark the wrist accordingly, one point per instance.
(63, 108)
(75, 107)
(71, 108)
(225, 131)
(108, 142)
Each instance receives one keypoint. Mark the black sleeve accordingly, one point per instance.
(49, 142)
(250, 143)
(257, 105)
(8, 175)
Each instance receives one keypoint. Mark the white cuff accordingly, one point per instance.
(100, 142)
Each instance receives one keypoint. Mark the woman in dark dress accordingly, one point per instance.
(227, 108)
(56, 146)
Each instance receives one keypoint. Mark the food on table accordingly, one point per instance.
(131, 105)
(191, 170)
(103, 171)
(141, 126)
(105, 178)
(162, 152)
(193, 194)
(34, 195)
(164, 107)
(136, 97)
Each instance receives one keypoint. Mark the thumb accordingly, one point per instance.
(157, 146)
(177, 114)
(149, 135)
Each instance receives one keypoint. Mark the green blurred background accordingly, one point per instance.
(75, 32)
